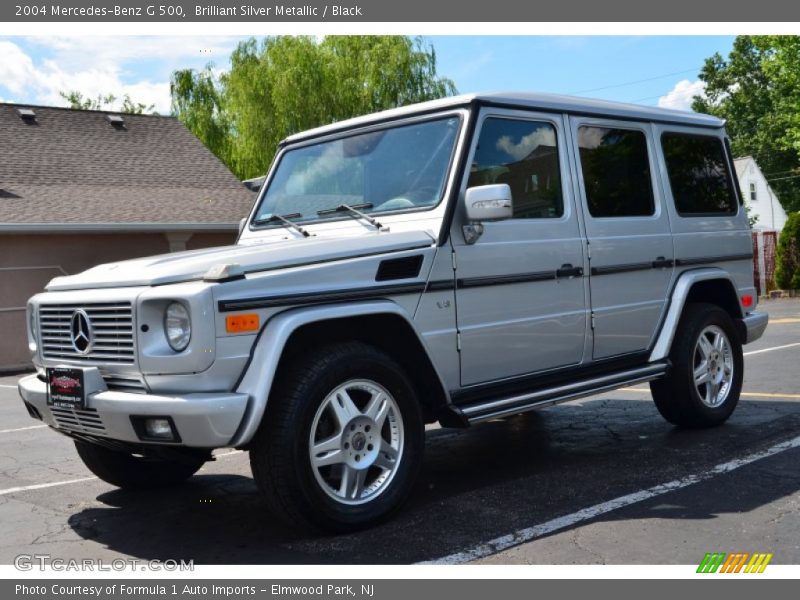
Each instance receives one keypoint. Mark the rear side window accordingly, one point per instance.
(616, 172)
(698, 174)
(523, 154)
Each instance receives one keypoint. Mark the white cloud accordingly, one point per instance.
(99, 65)
(590, 137)
(540, 137)
(680, 97)
(16, 67)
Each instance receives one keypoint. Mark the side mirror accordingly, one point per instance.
(242, 224)
(489, 203)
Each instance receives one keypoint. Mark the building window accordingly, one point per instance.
(753, 195)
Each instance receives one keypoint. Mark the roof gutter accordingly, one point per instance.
(115, 227)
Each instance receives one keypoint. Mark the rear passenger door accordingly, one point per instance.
(631, 253)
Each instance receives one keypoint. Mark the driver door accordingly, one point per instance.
(520, 287)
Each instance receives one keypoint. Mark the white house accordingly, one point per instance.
(758, 195)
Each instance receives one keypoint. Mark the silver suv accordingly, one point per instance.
(454, 261)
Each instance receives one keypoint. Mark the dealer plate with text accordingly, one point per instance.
(65, 388)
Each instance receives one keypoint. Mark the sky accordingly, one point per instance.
(651, 70)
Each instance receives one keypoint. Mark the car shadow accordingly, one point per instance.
(476, 484)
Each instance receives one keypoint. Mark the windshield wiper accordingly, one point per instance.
(284, 219)
(354, 211)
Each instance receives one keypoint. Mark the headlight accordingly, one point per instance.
(32, 322)
(177, 326)
(32, 339)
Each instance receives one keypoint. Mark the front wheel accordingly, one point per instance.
(705, 380)
(343, 439)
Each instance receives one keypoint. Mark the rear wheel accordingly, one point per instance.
(705, 380)
(343, 439)
(134, 472)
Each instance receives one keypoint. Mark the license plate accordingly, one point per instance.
(65, 388)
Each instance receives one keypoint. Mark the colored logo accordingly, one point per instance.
(737, 562)
(64, 383)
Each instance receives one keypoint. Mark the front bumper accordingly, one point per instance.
(207, 420)
(753, 326)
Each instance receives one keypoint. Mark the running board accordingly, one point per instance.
(519, 403)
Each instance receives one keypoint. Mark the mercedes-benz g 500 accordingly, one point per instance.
(454, 261)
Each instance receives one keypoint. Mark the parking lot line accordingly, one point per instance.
(11, 387)
(40, 486)
(771, 349)
(528, 534)
(770, 395)
(22, 428)
(783, 321)
(746, 394)
(231, 453)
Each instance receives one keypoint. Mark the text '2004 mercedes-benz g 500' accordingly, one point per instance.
(454, 261)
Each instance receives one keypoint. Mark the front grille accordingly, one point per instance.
(125, 383)
(85, 420)
(111, 328)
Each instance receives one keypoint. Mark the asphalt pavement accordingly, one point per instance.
(600, 480)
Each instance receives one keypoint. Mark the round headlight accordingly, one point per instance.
(177, 326)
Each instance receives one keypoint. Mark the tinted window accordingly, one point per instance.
(524, 155)
(698, 174)
(616, 172)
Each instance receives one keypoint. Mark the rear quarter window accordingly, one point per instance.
(699, 176)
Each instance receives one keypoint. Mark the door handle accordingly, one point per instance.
(568, 270)
(663, 263)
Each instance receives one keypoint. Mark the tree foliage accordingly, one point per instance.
(787, 269)
(283, 85)
(757, 89)
(104, 102)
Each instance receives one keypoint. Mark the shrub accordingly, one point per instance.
(787, 269)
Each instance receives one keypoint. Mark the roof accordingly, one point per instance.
(71, 168)
(529, 100)
(742, 163)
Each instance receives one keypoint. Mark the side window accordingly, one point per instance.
(753, 195)
(698, 174)
(524, 155)
(616, 172)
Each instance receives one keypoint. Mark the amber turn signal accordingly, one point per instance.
(240, 323)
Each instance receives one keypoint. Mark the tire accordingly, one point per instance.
(373, 444)
(135, 473)
(712, 398)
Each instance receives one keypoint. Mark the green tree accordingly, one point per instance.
(787, 269)
(103, 102)
(283, 85)
(757, 89)
(196, 99)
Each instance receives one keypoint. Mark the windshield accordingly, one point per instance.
(395, 169)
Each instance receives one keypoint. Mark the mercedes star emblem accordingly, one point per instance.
(81, 332)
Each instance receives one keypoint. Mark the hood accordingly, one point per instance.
(194, 264)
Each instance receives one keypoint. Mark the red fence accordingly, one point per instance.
(764, 244)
